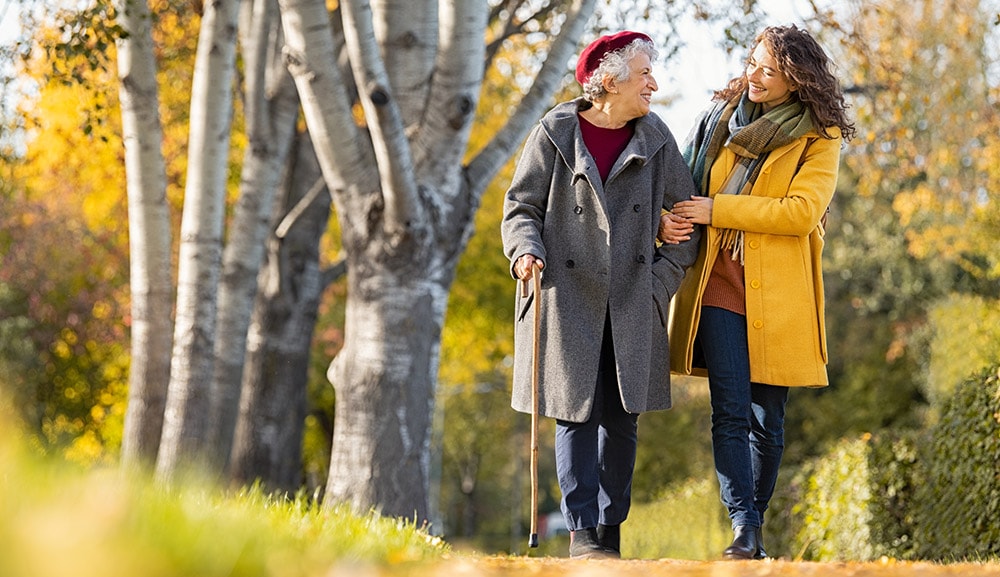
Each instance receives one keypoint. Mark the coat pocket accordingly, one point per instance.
(525, 305)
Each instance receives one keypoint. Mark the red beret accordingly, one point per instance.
(592, 55)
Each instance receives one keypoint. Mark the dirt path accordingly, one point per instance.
(469, 566)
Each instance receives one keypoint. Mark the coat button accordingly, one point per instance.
(636, 207)
(578, 209)
(641, 259)
(570, 264)
(755, 284)
(754, 244)
(758, 324)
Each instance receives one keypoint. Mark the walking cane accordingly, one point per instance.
(536, 277)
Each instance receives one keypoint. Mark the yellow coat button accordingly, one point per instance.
(755, 284)
(758, 324)
(754, 244)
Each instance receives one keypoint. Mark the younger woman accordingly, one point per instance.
(764, 158)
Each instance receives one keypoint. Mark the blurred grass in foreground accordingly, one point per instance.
(58, 521)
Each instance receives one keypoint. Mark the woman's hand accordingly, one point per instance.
(524, 264)
(697, 210)
(674, 229)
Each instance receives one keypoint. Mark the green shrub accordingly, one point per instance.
(686, 522)
(966, 341)
(931, 494)
(959, 502)
(782, 522)
(835, 513)
(850, 504)
(895, 474)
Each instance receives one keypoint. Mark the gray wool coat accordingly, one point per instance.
(597, 241)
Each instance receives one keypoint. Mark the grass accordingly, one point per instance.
(57, 521)
(686, 522)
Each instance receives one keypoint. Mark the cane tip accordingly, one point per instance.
(533, 540)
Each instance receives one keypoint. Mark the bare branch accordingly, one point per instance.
(489, 160)
(392, 151)
(300, 208)
(451, 106)
(333, 273)
(311, 57)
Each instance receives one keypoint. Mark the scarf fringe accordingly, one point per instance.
(732, 240)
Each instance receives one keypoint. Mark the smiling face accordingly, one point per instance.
(766, 84)
(632, 98)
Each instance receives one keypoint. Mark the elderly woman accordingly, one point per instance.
(584, 205)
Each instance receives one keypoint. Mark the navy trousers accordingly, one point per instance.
(595, 459)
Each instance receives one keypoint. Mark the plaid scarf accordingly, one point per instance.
(741, 126)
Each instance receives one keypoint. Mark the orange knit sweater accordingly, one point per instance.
(726, 288)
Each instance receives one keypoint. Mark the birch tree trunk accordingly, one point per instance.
(271, 109)
(149, 237)
(184, 428)
(405, 224)
(268, 444)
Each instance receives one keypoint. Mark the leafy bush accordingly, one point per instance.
(966, 341)
(895, 472)
(835, 512)
(686, 522)
(959, 501)
(932, 494)
(850, 504)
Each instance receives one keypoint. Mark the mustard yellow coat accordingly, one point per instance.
(783, 245)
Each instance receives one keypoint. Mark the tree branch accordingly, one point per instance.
(333, 273)
(485, 165)
(392, 151)
(311, 57)
(515, 26)
(451, 107)
(410, 34)
(289, 220)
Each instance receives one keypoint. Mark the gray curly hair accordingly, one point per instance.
(615, 65)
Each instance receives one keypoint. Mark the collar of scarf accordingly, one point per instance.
(743, 127)
(740, 125)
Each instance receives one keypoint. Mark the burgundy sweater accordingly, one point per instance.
(605, 144)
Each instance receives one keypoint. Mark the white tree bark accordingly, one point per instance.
(271, 110)
(410, 40)
(149, 236)
(268, 443)
(184, 427)
(405, 198)
(405, 226)
(385, 123)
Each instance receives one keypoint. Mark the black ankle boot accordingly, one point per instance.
(761, 554)
(609, 537)
(584, 544)
(745, 544)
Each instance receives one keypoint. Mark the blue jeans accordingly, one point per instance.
(595, 459)
(748, 419)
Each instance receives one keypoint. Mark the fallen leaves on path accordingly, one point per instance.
(496, 566)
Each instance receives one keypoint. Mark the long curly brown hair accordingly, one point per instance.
(804, 62)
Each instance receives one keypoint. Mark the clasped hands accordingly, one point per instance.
(677, 225)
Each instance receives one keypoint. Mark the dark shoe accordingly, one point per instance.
(745, 544)
(761, 554)
(583, 544)
(610, 537)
